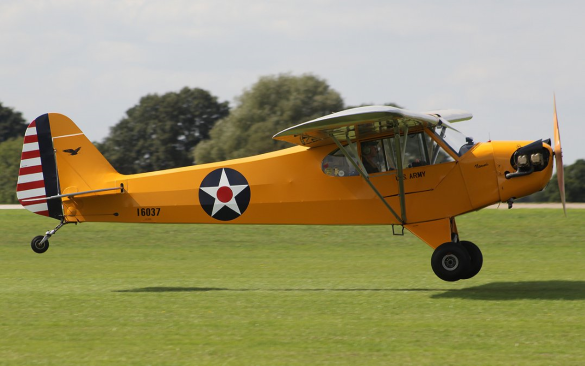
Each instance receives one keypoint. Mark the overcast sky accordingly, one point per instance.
(500, 60)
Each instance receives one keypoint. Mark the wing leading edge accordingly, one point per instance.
(364, 121)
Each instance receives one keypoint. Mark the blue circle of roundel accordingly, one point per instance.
(224, 194)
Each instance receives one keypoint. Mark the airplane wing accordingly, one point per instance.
(363, 122)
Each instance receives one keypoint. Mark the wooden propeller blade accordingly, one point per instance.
(559, 158)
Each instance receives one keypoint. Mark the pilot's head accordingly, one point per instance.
(369, 148)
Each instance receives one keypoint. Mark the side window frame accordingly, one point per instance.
(445, 146)
(387, 145)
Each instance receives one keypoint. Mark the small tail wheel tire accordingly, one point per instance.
(476, 259)
(36, 245)
(450, 262)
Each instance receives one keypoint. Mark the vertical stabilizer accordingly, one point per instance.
(37, 177)
(58, 160)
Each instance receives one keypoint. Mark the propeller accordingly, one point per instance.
(559, 157)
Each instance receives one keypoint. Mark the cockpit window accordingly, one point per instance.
(374, 156)
(436, 153)
(455, 139)
(379, 156)
(336, 165)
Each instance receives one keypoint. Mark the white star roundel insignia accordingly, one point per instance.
(224, 194)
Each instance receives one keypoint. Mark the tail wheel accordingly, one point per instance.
(450, 262)
(476, 259)
(36, 245)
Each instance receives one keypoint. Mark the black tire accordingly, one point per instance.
(36, 245)
(476, 259)
(450, 262)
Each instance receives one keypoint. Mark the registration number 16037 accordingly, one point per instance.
(144, 211)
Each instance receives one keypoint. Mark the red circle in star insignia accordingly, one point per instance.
(224, 194)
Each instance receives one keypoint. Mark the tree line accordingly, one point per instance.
(192, 126)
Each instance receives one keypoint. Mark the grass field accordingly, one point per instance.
(107, 294)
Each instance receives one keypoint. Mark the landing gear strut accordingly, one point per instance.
(40, 244)
(456, 261)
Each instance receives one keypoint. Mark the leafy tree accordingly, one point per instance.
(161, 131)
(575, 181)
(271, 105)
(11, 123)
(9, 164)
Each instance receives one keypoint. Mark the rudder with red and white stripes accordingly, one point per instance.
(37, 177)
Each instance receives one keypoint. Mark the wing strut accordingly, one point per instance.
(357, 164)
(403, 156)
(399, 169)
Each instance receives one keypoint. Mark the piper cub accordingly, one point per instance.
(374, 165)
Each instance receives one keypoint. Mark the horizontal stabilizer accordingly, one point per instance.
(120, 189)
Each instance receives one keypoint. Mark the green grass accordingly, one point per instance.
(113, 294)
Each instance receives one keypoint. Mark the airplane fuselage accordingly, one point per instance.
(290, 187)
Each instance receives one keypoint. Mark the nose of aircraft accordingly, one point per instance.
(523, 167)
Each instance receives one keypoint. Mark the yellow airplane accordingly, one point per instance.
(374, 165)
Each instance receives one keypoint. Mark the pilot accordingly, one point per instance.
(370, 157)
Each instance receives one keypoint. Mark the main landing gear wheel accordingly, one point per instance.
(38, 246)
(476, 259)
(451, 262)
